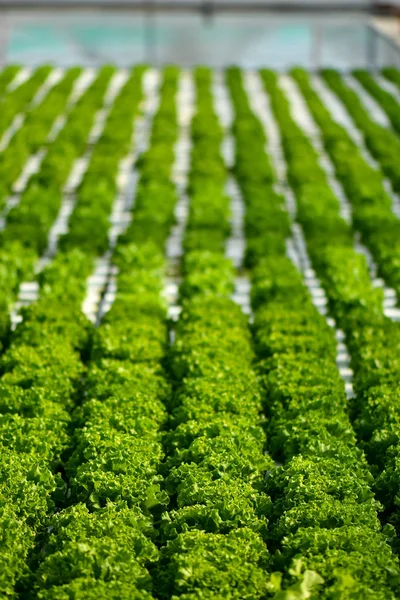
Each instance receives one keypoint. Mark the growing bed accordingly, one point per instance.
(199, 334)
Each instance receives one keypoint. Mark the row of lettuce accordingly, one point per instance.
(208, 223)
(372, 338)
(324, 532)
(385, 99)
(53, 361)
(101, 544)
(7, 77)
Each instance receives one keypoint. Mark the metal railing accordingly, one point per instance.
(214, 37)
(206, 6)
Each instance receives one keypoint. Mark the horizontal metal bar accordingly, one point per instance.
(287, 6)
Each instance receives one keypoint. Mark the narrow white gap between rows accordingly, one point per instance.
(186, 105)
(236, 243)
(388, 86)
(21, 76)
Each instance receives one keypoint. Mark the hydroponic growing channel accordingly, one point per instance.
(199, 371)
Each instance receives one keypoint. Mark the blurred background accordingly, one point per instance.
(314, 33)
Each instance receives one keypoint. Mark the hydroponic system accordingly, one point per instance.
(199, 371)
